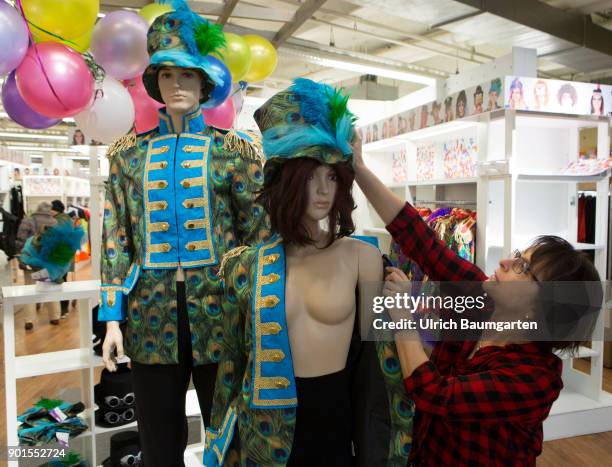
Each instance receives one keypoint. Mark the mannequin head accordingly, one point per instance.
(303, 192)
(181, 89)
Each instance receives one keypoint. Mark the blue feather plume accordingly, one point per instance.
(188, 20)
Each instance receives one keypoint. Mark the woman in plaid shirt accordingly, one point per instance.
(477, 402)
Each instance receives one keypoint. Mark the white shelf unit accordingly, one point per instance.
(80, 359)
(520, 192)
(70, 190)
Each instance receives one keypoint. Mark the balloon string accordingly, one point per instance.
(52, 34)
(38, 56)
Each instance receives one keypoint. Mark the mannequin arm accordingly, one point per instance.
(117, 246)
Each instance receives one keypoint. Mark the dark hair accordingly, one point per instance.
(478, 90)
(285, 198)
(603, 102)
(57, 206)
(461, 98)
(553, 259)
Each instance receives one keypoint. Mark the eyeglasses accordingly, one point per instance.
(114, 401)
(131, 460)
(520, 265)
(113, 417)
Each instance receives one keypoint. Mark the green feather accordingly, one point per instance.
(61, 254)
(338, 107)
(48, 403)
(209, 37)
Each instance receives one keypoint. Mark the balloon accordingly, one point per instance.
(264, 58)
(80, 44)
(221, 91)
(221, 116)
(236, 56)
(110, 116)
(19, 111)
(13, 36)
(238, 93)
(153, 10)
(119, 44)
(71, 81)
(65, 18)
(146, 107)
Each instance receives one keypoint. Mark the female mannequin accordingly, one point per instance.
(178, 198)
(284, 385)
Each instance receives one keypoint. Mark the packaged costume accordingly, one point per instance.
(257, 417)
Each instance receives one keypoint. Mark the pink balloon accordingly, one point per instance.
(221, 116)
(62, 87)
(146, 108)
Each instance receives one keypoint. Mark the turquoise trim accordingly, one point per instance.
(193, 122)
(218, 441)
(116, 312)
(130, 282)
(273, 379)
(368, 239)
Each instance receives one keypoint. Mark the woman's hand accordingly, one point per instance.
(357, 150)
(396, 283)
(112, 341)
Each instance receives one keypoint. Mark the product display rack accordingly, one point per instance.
(520, 191)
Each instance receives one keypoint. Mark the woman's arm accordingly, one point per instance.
(413, 235)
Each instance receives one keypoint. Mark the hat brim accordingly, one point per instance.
(175, 59)
(323, 154)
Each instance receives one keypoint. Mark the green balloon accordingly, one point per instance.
(152, 11)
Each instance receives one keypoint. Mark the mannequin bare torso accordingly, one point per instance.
(320, 301)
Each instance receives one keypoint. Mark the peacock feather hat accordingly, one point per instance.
(181, 38)
(307, 120)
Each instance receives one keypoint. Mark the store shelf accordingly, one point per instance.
(588, 246)
(570, 401)
(583, 352)
(52, 362)
(561, 178)
(444, 181)
(102, 430)
(24, 294)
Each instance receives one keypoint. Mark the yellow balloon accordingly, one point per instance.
(152, 11)
(68, 19)
(264, 58)
(80, 44)
(236, 56)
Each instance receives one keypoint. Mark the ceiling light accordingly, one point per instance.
(33, 136)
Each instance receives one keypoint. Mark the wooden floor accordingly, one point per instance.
(583, 451)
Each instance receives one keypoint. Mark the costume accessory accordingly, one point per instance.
(307, 120)
(181, 38)
(114, 396)
(124, 450)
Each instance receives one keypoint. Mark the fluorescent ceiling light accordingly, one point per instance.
(38, 149)
(374, 70)
(33, 136)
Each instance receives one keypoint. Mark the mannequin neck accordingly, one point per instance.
(177, 118)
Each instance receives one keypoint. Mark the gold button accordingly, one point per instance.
(185, 184)
(162, 184)
(191, 225)
(277, 356)
(166, 248)
(188, 148)
(111, 303)
(191, 247)
(165, 226)
(189, 205)
(164, 164)
(186, 164)
(281, 383)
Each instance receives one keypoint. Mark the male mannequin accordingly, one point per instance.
(178, 197)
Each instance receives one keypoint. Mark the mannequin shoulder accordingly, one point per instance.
(367, 256)
(129, 144)
(246, 144)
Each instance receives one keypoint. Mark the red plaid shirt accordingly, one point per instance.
(487, 410)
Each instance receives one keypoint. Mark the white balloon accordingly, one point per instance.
(111, 115)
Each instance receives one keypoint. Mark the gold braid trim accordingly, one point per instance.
(234, 143)
(121, 144)
(234, 252)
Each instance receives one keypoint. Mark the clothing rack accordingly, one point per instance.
(448, 202)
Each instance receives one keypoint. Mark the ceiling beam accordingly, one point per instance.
(303, 14)
(228, 9)
(578, 29)
(593, 7)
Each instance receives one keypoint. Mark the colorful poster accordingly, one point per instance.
(551, 95)
(399, 168)
(459, 158)
(426, 153)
